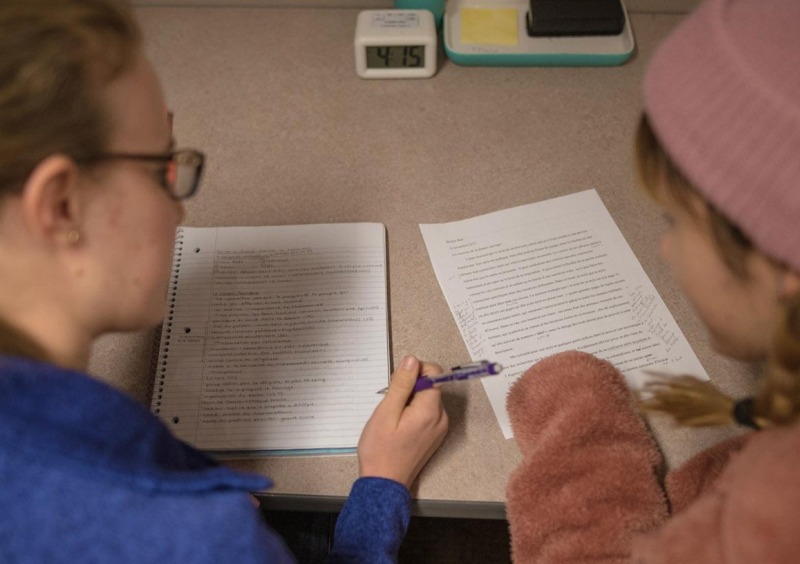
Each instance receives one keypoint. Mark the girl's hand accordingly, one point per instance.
(401, 436)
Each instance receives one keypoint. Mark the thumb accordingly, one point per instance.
(402, 385)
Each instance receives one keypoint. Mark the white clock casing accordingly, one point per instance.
(395, 44)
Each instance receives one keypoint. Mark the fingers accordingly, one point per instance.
(401, 436)
(431, 369)
(403, 380)
(402, 385)
(430, 398)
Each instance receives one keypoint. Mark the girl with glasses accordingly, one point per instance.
(91, 192)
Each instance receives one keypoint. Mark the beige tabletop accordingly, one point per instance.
(293, 136)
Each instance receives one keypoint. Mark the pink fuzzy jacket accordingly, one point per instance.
(588, 488)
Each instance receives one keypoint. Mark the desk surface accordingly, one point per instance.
(294, 136)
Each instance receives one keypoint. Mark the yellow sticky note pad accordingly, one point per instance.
(489, 26)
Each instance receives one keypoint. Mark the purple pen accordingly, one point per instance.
(465, 372)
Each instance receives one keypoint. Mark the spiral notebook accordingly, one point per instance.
(275, 338)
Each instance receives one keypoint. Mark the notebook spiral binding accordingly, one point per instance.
(159, 368)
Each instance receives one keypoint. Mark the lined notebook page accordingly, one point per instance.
(531, 281)
(276, 338)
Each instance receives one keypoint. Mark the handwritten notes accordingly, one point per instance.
(531, 281)
(277, 337)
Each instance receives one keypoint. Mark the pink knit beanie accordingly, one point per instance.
(723, 96)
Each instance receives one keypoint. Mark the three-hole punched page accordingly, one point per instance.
(531, 281)
(275, 338)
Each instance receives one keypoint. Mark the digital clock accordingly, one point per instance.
(395, 44)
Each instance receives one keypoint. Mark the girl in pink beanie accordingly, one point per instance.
(719, 149)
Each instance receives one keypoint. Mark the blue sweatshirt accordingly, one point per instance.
(89, 475)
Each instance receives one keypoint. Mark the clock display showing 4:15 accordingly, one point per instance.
(395, 57)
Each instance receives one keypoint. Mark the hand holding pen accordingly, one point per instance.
(465, 372)
(405, 429)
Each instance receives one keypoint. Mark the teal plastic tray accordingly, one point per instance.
(606, 50)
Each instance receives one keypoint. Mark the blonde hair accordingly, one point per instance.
(54, 57)
(695, 402)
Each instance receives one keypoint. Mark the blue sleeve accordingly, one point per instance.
(372, 523)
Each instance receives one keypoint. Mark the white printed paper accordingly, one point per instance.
(531, 281)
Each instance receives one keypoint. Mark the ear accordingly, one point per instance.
(50, 200)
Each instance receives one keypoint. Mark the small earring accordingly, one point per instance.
(73, 236)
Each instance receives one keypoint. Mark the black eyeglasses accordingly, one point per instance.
(180, 178)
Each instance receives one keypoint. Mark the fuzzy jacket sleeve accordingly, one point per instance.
(588, 481)
(747, 514)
